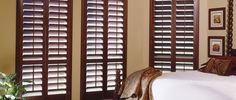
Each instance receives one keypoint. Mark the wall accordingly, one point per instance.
(7, 38)
(217, 4)
(76, 49)
(203, 27)
(138, 37)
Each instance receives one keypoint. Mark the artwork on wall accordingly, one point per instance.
(217, 19)
(216, 46)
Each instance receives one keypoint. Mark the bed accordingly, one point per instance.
(188, 85)
(196, 85)
(193, 85)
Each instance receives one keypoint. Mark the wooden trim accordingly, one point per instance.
(125, 35)
(151, 33)
(19, 39)
(196, 35)
(69, 48)
(45, 47)
(173, 35)
(105, 45)
(83, 50)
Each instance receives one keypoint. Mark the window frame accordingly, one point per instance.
(102, 94)
(19, 50)
(173, 20)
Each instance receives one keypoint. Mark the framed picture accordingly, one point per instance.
(217, 19)
(216, 46)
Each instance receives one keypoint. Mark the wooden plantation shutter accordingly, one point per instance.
(185, 44)
(162, 34)
(103, 47)
(44, 48)
(94, 48)
(174, 34)
(116, 41)
(31, 46)
(58, 44)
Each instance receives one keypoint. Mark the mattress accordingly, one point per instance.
(193, 85)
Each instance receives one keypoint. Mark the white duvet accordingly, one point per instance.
(194, 85)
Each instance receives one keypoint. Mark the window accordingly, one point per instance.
(44, 43)
(103, 46)
(174, 34)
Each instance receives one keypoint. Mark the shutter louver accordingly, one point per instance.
(44, 48)
(33, 72)
(32, 48)
(104, 47)
(162, 34)
(184, 34)
(57, 48)
(173, 29)
(115, 41)
(94, 77)
(112, 67)
(95, 42)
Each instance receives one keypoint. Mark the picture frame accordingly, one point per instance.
(216, 46)
(216, 18)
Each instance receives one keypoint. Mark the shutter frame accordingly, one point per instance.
(107, 48)
(181, 39)
(19, 46)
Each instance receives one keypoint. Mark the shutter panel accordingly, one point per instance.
(57, 47)
(174, 32)
(104, 47)
(115, 49)
(162, 34)
(184, 34)
(32, 47)
(44, 48)
(95, 42)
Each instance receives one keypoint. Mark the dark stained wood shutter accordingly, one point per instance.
(116, 40)
(94, 49)
(44, 48)
(103, 47)
(174, 34)
(162, 34)
(185, 34)
(30, 64)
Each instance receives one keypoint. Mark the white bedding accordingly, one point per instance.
(194, 85)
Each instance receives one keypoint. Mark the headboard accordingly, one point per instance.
(233, 52)
(233, 60)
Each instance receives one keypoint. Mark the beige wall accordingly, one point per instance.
(7, 38)
(76, 49)
(203, 27)
(138, 36)
(217, 4)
